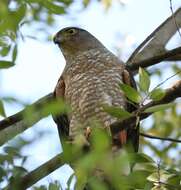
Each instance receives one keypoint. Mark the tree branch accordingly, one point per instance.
(15, 124)
(156, 42)
(160, 138)
(37, 174)
(19, 116)
(154, 60)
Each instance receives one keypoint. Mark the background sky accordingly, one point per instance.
(40, 63)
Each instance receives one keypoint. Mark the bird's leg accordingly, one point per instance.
(87, 132)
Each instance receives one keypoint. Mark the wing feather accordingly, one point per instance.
(131, 134)
(61, 120)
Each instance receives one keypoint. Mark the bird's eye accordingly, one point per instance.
(71, 31)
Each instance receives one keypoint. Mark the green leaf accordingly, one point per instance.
(153, 177)
(174, 180)
(139, 158)
(162, 176)
(2, 111)
(157, 94)
(117, 112)
(15, 51)
(148, 186)
(144, 80)
(130, 93)
(6, 64)
(5, 50)
(138, 178)
(20, 13)
(86, 2)
(159, 107)
(3, 173)
(53, 8)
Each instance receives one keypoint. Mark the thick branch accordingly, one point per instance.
(170, 95)
(154, 60)
(15, 124)
(37, 174)
(19, 116)
(155, 43)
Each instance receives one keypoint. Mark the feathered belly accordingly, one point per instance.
(88, 95)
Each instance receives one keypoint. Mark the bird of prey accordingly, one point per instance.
(91, 79)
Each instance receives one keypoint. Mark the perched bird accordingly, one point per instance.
(91, 79)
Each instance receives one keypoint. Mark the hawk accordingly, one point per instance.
(91, 79)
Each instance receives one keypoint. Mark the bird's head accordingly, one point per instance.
(73, 40)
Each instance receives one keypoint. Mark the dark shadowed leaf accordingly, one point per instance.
(130, 93)
(2, 173)
(157, 94)
(159, 107)
(117, 112)
(144, 80)
(12, 151)
(19, 171)
(2, 111)
(70, 180)
(6, 64)
(54, 186)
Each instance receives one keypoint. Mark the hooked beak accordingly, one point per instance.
(57, 39)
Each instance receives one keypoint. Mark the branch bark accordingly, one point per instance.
(156, 42)
(15, 124)
(167, 55)
(37, 174)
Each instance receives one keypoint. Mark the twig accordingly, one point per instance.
(158, 85)
(154, 60)
(170, 95)
(37, 174)
(160, 138)
(161, 83)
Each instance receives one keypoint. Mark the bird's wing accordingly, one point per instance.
(131, 133)
(61, 120)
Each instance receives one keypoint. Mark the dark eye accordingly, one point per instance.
(71, 31)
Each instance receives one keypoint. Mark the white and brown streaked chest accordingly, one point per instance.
(91, 80)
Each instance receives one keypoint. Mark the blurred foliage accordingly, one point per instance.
(99, 168)
(12, 161)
